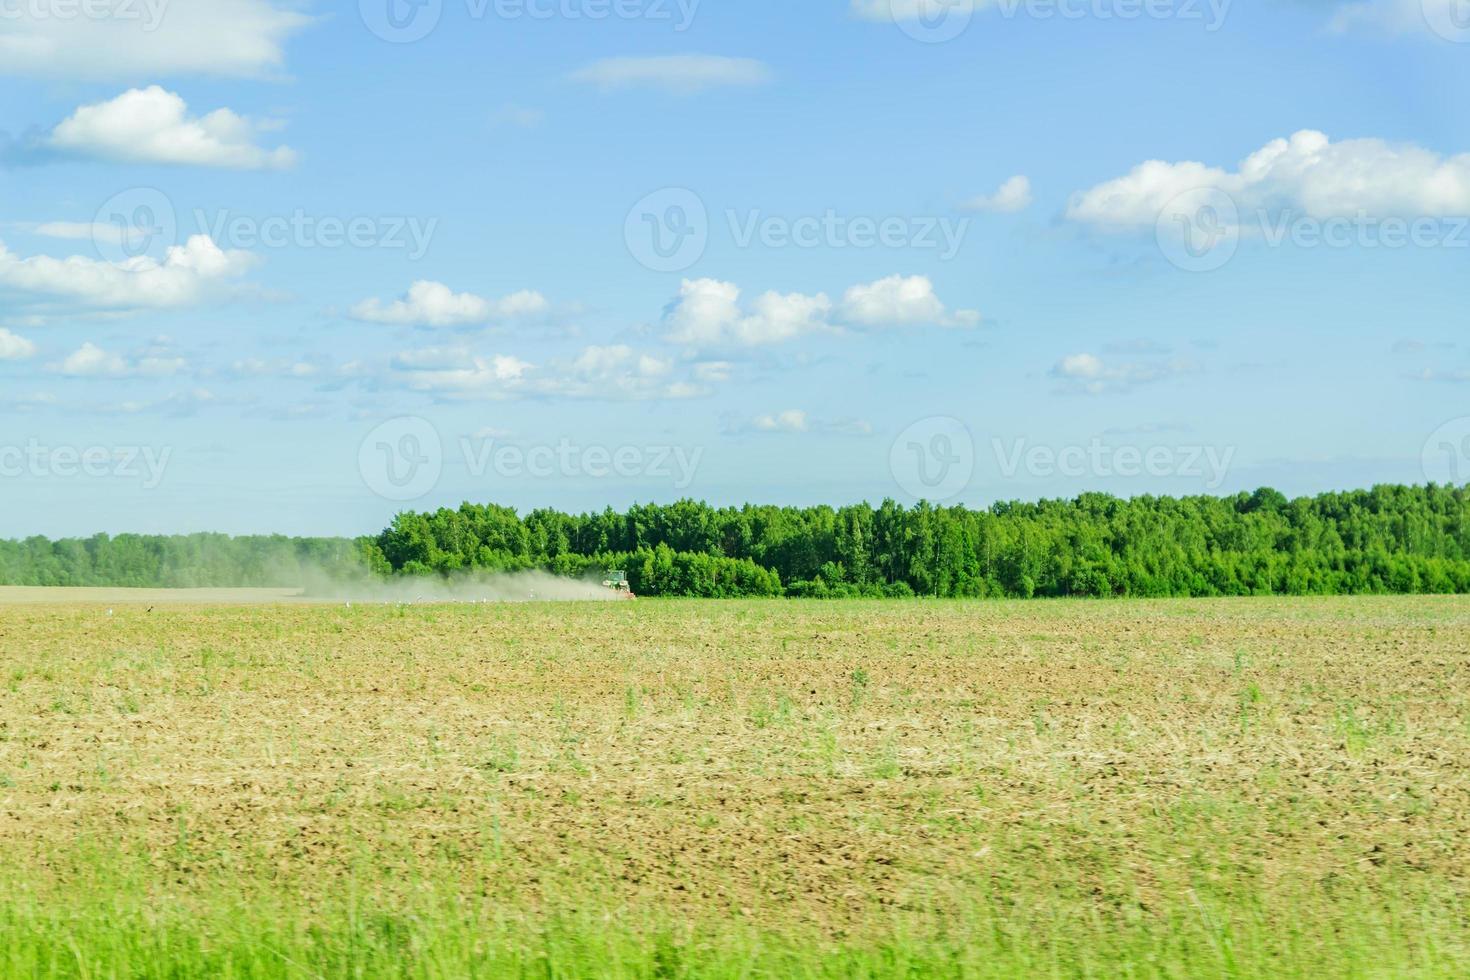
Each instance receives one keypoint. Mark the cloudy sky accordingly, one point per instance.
(288, 266)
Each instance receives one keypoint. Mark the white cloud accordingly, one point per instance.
(15, 348)
(1443, 17)
(1457, 377)
(1307, 172)
(188, 274)
(154, 126)
(615, 373)
(76, 231)
(458, 373)
(708, 313)
(900, 301)
(791, 420)
(1013, 196)
(908, 10)
(433, 304)
(279, 368)
(140, 39)
(713, 372)
(91, 361)
(1091, 375)
(684, 74)
(795, 421)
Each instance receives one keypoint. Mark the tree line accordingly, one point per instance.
(1391, 539)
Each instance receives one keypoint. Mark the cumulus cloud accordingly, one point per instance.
(791, 420)
(901, 301)
(795, 421)
(456, 372)
(708, 313)
(683, 74)
(1013, 196)
(91, 361)
(154, 126)
(1091, 375)
(187, 275)
(137, 39)
(433, 304)
(1307, 172)
(614, 373)
(15, 348)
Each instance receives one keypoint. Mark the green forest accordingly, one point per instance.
(1391, 539)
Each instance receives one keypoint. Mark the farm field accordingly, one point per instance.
(755, 789)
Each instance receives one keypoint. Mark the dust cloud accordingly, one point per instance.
(322, 586)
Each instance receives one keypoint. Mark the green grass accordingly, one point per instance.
(115, 932)
(663, 790)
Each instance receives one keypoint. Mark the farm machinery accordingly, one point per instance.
(618, 582)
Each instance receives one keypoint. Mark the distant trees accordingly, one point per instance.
(191, 561)
(1388, 539)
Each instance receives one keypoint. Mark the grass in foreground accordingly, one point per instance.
(683, 789)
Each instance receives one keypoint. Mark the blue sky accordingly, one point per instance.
(277, 266)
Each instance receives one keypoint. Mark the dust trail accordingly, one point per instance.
(468, 587)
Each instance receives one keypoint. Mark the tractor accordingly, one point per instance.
(618, 582)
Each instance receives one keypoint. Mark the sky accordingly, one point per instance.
(276, 266)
